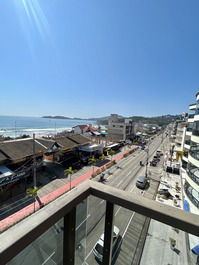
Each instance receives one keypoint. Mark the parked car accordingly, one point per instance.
(99, 246)
(141, 182)
(153, 163)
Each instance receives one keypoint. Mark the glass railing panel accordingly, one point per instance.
(165, 244)
(46, 249)
(89, 247)
(81, 232)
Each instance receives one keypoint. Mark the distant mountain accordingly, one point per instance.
(63, 118)
(56, 117)
(159, 120)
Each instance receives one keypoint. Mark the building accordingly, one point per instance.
(120, 129)
(180, 135)
(190, 164)
(87, 130)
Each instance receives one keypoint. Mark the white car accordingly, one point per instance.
(98, 248)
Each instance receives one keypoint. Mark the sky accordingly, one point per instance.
(90, 58)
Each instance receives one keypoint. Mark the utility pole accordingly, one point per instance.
(34, 163)
(147, 158)
(15, 129)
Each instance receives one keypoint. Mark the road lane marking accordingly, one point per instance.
(88, 254)
(48, 258)
(130, 221)
(128, 225)
(123, 207)
(82, 222)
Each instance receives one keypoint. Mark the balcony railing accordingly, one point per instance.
(193, 176)
(191, 116)
(188, 190)
(64, 211)
(195, 132)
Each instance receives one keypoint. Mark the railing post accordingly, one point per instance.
(69, 238)
(108, 234)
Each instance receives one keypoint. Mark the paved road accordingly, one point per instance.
(90, 219)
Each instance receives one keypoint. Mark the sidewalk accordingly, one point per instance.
(157, 248)
(50, 196)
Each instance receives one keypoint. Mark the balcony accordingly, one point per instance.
(189, 129)
(58, 233)
(187, 142)
(192, 194)
(191, 116)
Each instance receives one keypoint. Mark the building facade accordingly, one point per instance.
(190, 159)
(120, 129)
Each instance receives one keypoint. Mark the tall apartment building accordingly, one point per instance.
(120, 129)
(180, 135)
(190, 164)
(190, 160)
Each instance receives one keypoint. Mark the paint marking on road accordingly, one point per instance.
(82, 222)
(48, 258)
(118, 210)
(132, 189)
(129, 173)
(120, 206)
(88, 254)
(130, 221)
(128, 225)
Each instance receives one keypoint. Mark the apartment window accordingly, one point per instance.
(190, 127)
(121, 126)
(194, 150)
(193, 172)
(192, 194)
(195, 130)
(184, 164)
(197, 108)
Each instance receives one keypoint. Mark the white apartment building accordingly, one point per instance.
(120, 129)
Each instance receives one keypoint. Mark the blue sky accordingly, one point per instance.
(95, 57)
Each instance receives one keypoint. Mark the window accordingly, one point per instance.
(192, 194)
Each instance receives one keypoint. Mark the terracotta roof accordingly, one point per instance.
(81, 126)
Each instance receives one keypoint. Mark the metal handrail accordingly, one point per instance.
(24, 233)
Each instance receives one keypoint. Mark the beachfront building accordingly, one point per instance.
(190, 165)
(16, 160)
(120, 129)
(87, 130)
(180, 135)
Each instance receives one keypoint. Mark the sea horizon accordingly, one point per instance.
(15, 126)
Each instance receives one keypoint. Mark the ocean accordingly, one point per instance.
(14, 126)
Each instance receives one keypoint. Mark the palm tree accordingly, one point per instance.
(111, 153)
(32, 192)
(103, 157)
(69, 172)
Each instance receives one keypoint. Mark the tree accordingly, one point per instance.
(69, 172)
(32, 192)
(111, 153)
(103, 157)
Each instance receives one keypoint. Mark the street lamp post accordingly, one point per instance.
(147, 158)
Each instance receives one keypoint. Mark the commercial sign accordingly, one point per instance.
(13, 178)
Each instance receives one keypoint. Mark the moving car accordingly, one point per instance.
(141, 182)
(99, 246)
